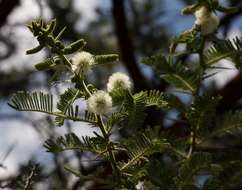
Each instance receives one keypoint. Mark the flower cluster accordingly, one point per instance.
(118, 81)
(81, 62)
(101, 102)
(145, 185)
(206, 20)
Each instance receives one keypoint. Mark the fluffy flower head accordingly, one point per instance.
(99, 103)
(145, 185)
(118, 80)
(207, 20)
(81, 62)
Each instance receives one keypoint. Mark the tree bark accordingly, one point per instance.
(6, 7)
(126, 45)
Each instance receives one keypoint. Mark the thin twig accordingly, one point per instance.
(29, 179)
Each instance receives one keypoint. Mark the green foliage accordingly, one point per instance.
(116, 119)
(182, 78)
(75, 46)
(135, 106)
(202, 114)
(211, 183)
(175, 103)
(213, 5)
(72, 142)
(190, 168)
(155, 98)
(103, 59)
(44, 65)
(229, 124)
(230, 121)
(65, 104)
(158, 62)
(156, 170)
(224, 49)
(140, 146)
(200, 142)
(176, 74)
(190, 38)
(39, 102)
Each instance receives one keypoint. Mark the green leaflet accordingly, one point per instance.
(224, 49)
(135, 106)
(104, 59)
(182, 78)
(226, 124)
(72, 142)
(41, 102)
(37, 101)
(155, 98)
(158, 62)
(176, 74)
(202, 113)
(183, 81)
(140, 146)
(65, 104)
(192, 167)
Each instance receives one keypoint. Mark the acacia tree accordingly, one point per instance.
(146, 157)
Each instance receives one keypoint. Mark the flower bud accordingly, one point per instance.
(44, 65)
(206, 20)
(75, 46)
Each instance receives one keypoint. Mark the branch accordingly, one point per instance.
(6, 7)
(29, 179)
(219, 149)
(126, 46)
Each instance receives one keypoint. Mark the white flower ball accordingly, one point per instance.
(145, 185)
(99, 103)
(81, 62)
(118, 80)
(207, 20)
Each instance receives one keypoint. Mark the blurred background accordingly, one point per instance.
(131, 28)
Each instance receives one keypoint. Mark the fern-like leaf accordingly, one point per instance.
(182, 78)
(72, 142)
(155, 98)
(115, 119)
(228, 124)
(135, 106)
(36, 102)
(142, 145)
(174, 102)
(118, 96)
(176, 74)
(159, 63)
(40, 102)
(202, 113)
(191, 168)
(65, 104)
(224, 49)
